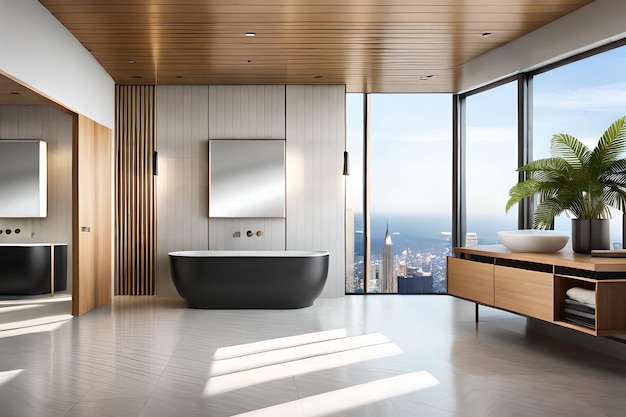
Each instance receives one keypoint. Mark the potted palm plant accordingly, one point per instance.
(580, 183)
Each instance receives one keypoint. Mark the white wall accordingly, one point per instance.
(310, 119)
(42, 54)
(247, 112)
(54, 127)
(599, 23)
(182, 183)
(316, 133)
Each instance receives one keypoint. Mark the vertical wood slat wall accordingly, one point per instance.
(135, 205)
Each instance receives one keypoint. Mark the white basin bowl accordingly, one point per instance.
(536, 241)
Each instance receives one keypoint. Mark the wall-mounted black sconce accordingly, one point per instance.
(346, 167)
(155, 163)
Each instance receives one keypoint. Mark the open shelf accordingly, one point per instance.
(527, 287)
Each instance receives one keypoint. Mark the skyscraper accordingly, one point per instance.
(388, 281)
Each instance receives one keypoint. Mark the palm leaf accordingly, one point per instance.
(575, 180)
(547, 165)
(617, 166)
(572, 150)
(521, 190)
(615, 196)
(546, 211)
(610, 147)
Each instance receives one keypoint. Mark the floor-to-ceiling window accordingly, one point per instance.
(581, 98)
(491, 162)
(409, 193)
(355, 250)
(408, 190)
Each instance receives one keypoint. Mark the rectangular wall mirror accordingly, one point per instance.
(23, 178)
(247, 178)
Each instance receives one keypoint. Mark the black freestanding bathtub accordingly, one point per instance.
(249, 279)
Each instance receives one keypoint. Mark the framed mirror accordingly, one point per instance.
(23, 178)
(246, 178)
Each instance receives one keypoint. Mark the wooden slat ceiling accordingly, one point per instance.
(370, 46)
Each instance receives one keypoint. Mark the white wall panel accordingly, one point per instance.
(315, 184)
(54, 127)
(247, 112)
(222, 234)
(187, 116)
(182, 183)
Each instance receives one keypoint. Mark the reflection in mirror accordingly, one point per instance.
(23, 178)
(247, 178)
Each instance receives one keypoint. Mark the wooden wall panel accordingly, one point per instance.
(93, 215)
(55, 127)
(182, 183)
(135, 205)
(315, 184)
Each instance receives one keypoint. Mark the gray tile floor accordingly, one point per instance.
(353, 356)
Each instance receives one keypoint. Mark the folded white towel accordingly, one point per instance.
(582, 295)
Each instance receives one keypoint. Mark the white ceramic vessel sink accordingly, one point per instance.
(536, 241)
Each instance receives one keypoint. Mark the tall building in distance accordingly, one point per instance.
(389, 280)
(374, 277)
(418, 268)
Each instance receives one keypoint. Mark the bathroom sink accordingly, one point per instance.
(537, 241)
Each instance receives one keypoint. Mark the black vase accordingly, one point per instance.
(588, 235)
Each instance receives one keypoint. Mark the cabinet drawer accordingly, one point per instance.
(471, 280)
(530, 293)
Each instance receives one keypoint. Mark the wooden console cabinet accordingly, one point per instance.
(534, 284)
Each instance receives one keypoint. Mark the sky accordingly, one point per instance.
(411, 139)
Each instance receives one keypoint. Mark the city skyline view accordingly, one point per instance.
(410, 180)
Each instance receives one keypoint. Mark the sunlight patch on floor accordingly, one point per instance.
(282, 355)
(292, 356)
(38, 300)
(22, 307)
(6, 376)
(278, 343)
(43, 324)
(349, 398)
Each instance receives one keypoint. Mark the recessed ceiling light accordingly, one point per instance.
(15, 93)
(318, 76)
(131, 61)
(425, 77)
(485, 34)
(250, 34)
(136, 76)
